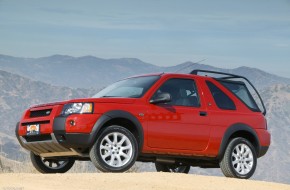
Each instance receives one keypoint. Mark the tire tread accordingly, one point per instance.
(39, 165)
(225, 162)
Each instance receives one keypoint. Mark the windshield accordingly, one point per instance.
(128, 88)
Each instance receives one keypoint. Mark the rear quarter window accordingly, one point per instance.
(221, 99)
(240, 90)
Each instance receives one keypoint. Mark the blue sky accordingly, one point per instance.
(227, 33)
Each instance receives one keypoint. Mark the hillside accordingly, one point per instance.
(17, 94)
(277, 99)
(130, 181)
(93, 72)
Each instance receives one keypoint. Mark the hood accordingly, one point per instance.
(95, 100)
(108, 100)
(49, 104)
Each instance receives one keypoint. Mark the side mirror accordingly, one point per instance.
(161, 98)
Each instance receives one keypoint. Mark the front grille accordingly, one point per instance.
(40, 113)
(37, 138)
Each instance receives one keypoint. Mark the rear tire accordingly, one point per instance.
(115, 150)
(49, 165)
(239, 160)
(173, 168)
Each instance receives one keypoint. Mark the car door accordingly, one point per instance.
(183, 122)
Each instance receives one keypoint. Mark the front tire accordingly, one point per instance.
(239, 160)
(115, 150)
(173, 168)
(51, 165)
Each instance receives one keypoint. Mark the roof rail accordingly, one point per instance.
(231, 76)
(195, 72)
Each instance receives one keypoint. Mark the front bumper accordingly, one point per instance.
(70, 140)
(58, 142)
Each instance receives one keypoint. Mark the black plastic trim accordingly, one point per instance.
(235, 128)
(120, 114)
(74, 140)
(69, 140)
(33, 138)
(16, 133)
(263, 150)
(82, 140)
(40, 113)
(59, 124)
(59, 131)
(35, 122)
(17, 128)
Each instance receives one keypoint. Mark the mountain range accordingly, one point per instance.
(96, 73)
(28, 81)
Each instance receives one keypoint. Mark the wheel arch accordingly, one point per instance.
(239, 130)
(119, 117)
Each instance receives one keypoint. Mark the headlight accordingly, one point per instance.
(77, 108)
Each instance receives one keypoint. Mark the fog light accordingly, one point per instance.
(72, 122)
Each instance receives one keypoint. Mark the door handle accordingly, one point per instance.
(203, 113)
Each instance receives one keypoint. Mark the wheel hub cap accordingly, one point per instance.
(54, 164)
(242, 159)
(116, 149)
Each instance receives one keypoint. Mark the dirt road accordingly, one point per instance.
(129, 181)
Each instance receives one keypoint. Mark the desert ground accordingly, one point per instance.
(134, 181)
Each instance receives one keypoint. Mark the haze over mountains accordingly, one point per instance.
(28, 81)
(93, 72)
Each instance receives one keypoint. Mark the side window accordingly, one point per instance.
(241, 91)
(221, 99)
(183, 92)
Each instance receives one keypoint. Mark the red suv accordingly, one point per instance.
(174, 120)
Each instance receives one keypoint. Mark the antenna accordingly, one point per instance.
(189, 65)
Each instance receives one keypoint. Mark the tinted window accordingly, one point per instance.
(242, 92)
(220, 98)
(183, 92)
(129, 88)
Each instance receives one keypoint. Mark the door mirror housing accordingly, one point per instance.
(161, 98)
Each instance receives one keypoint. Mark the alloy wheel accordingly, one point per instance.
(116, 149)
(242, 159)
